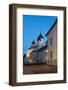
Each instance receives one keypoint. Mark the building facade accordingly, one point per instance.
(52, 44)
(37, 53)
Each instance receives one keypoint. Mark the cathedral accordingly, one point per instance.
(37, 53)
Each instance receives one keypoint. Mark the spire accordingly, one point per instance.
(40, 37)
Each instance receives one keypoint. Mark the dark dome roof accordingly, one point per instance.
(33, 42)
(40, 37)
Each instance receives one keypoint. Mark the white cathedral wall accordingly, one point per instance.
(40, 43)
(39, 57)
(33, 57)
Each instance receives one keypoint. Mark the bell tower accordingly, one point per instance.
(40, 40)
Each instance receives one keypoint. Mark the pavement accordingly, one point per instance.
(38, 69)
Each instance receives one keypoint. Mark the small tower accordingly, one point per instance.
(33, 44)
(40, 41)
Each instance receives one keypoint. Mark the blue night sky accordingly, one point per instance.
(33, 25)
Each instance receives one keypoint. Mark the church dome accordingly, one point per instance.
(33, 42)
(40, 37)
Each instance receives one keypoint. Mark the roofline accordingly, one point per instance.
(40, 49)
(51, 27)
